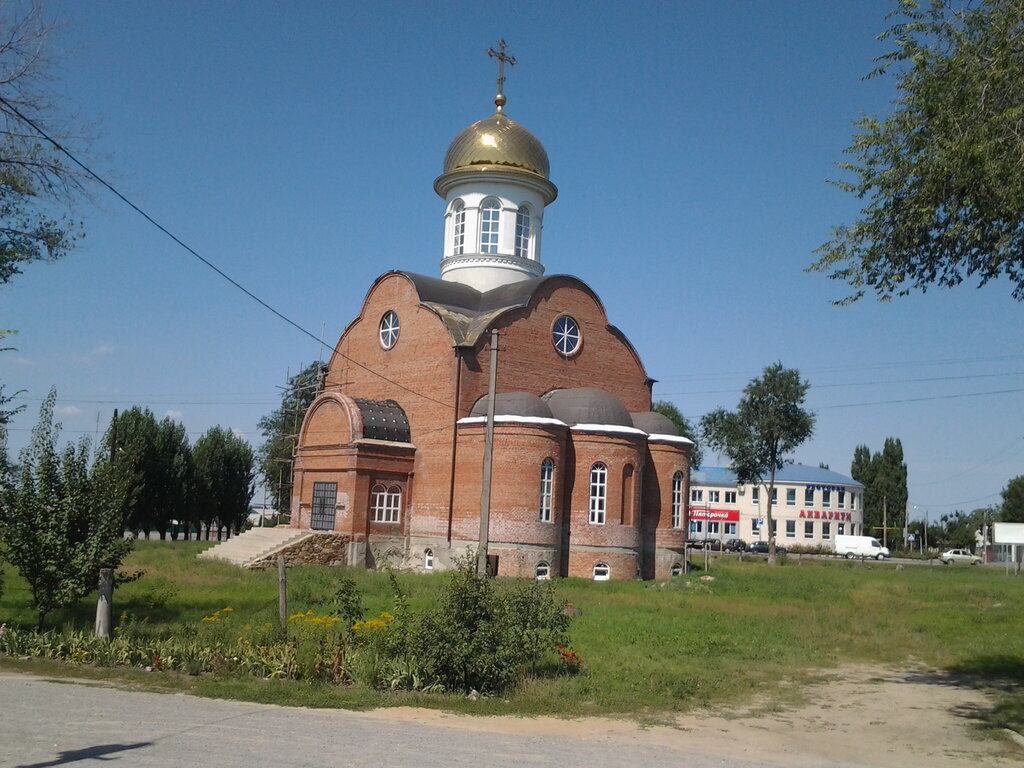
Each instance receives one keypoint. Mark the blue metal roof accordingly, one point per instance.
(791, 473)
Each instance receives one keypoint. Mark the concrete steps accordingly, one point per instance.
(255, 544)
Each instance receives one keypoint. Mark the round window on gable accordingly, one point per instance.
(566, 336)
(389, 329)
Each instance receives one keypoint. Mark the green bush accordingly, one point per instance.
(478, 637)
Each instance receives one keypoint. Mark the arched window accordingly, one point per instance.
(677, 500)
(490, 216)
(523, 232)
(385, 503)
(543, 571)
(598, 493)
(547, 477)
(602, 572)
(428, 559)
(626, 503)
(458, 228)
(677, 569)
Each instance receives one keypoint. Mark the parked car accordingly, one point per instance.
(761, 548)
(959, 556)
(715, 545)
(735, 545)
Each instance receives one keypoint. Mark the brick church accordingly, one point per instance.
(587, 481)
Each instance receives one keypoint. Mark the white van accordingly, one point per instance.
(860, 546)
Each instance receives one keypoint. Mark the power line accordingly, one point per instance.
(923, 399)
(205, 261)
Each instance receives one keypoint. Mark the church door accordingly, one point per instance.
(325, 498)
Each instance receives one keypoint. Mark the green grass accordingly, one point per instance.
(649, 648)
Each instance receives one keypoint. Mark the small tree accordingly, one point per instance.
(224, 472)
(1013, 501)
(280, 433)
(60, 521)
(768, 423)
(686, 429)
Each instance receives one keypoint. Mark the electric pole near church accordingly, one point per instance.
(485, 492)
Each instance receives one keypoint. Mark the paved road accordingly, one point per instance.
(47, 723)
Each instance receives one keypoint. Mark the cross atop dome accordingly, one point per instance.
(503, 58)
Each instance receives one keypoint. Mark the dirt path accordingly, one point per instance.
(861, 715)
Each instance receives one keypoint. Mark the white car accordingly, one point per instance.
(959, 556)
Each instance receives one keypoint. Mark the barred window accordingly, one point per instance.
(547, 477)
(677, 500)
(458, 228)
(490, 216)
(385, 503)
(598, 493)
(523, 228)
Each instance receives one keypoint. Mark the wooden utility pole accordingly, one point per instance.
(104, 603)
(485, 492)
(885, 523)
(282, 595)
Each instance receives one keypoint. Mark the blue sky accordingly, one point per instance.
(295, 146)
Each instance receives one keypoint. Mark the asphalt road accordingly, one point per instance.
(61, 723)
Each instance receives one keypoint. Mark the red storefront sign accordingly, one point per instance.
(706, 513)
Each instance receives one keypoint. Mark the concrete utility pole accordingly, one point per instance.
(485, 492)
(104, 603)
(885, 522)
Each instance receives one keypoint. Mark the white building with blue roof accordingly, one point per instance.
(811, 506)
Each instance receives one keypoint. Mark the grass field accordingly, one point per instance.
(649, 648)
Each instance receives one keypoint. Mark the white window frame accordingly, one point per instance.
(598, 493)
(826, 529)
(808, 529)
(543, 571)
(458, 228)
(389, 329)
(730, 497)
(755, 495)
(714, 527)
(696, 494)
(826, 499)
(791, 497)
(547, 485)
(385, 504)
(840, 499)
(840, 529)
(428, 559)
(808, 497)
(677, 500)
(677, 569)
(490, 226)
(602, 572)
(696, 526)
(714, 497)
(524, 225)
(790, 529)
(730, 529)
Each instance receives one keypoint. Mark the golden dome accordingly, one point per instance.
(496, 140)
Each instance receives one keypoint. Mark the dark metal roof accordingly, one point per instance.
(587, 405)
(467, 312)
(654, 423)
(513, 404)
(384, 420)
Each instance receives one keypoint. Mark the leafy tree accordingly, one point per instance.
(280, 433)
(768, 423)
(686, 429)
(61, 521)
(224, 472)
(941, 174)
(156, 459)
(33, 177)
(1013, 501)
